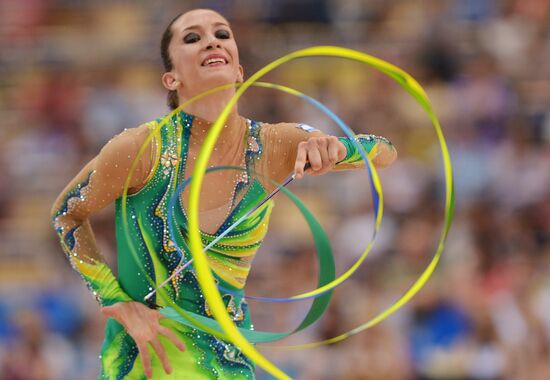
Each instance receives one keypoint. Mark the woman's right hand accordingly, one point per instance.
(142, 324)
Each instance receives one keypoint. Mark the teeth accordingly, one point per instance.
(215, 60)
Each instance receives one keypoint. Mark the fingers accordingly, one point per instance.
(342, 150)
(173, 337)
(142, 324)
(314, 155)
(322, 153)
(107, 311)
(335, 150)
(159, 350)
(145, 359)
(161, 353)
(301, 159)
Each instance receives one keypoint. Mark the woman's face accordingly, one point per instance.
(203, 53)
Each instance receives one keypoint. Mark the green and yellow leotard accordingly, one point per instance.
(269, 149)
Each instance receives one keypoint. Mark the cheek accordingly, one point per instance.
(234, 51)
(237, 59)
(187, 56)
(185, 61)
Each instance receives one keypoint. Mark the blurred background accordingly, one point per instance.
(75, 73)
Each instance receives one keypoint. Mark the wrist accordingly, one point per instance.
(370, 144)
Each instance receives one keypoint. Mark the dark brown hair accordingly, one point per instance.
(167, 61)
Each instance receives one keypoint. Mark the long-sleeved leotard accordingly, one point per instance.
(267, 149)
(98, 184)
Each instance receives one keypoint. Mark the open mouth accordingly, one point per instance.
(214, 61)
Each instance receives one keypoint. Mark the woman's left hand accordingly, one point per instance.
(322, 153)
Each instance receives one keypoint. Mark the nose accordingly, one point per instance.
(213, 43)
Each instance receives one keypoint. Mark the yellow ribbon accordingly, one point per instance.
(205, 277)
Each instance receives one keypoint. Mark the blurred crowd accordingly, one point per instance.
(75, 73)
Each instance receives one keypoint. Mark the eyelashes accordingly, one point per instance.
(193, 37)
(223, 34)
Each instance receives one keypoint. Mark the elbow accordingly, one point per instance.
(55, 213)
(60, 218)
(61, 213)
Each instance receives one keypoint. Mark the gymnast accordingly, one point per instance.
(199, 52)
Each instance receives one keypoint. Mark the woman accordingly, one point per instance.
(199, 53)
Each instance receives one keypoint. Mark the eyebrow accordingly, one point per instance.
(199, 27)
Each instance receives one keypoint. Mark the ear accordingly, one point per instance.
(240, 78)
(170, 82)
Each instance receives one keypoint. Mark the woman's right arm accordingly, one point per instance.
(98, 184)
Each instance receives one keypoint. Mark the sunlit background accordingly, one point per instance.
(75, 73)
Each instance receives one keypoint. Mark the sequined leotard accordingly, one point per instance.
(268, 149)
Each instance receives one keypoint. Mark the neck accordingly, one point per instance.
(207, 110)
(210, 107)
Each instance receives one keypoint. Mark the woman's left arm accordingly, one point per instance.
(290, 146)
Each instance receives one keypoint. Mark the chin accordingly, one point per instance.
(217, 79)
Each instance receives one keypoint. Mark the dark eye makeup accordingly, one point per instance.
(222, 34)
(193, 37)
